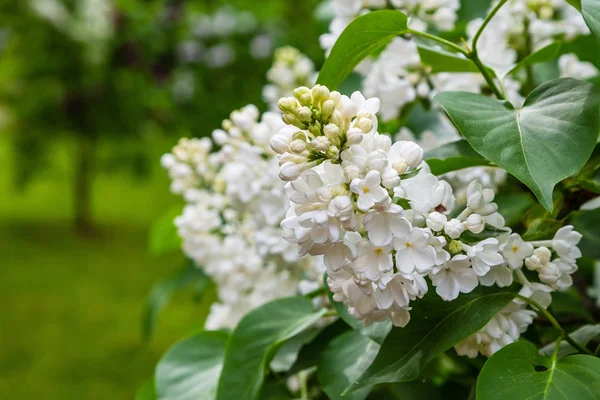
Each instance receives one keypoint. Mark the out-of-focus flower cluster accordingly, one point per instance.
(234, 205)
(384, 224)
(290, 70)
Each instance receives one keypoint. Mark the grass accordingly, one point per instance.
(70, 306)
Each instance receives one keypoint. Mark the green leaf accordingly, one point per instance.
(435, 326)
(591, 13)
(583, 336)
(542, 229)
(575, 3)
(377, 331)
(190, 369)
(255, 341)
(163, 233)
(569, 304)
(546, 141)
(452, 157)
(343, 361)
(288, 354)
(488, 232)
(473, 9)
(161, 293)
(512, 206)
(444, 61)
(518, 372)
(364, 36)
(147, 391)
(547, 53)
(586, 223)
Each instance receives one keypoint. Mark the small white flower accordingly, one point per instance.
(484, 255)
(454, 228)
(436, 221)
(414, 252)
(500, 275)
(454, 277)
(405, 153)
(475, 223)
(479, 200)
(372, 260)
(385, 220)
(565, 243)
(515, 250)
(369, 191)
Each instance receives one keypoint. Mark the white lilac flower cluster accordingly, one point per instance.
(523, 24)
(230, 223)
(290, 70)
(383, 223)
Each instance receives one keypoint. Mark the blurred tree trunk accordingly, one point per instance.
(82, 188)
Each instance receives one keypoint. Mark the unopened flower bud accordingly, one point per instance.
(315, 128)
(320, 93)
(341, 208)
(351, 172)
(400, 165)
(291, 119)
(454, 228)
(365, 125)
(354, 136)
(488, 195)
(298, 92)
(390, 178)
(455, 246)
(304, 114)
(321, 144)
(327, 109)
(543, 253)
(436, 221)
(488, 209)
(331, 131)
(298, 146)
(305, 99)
(280, 143)
(475, 223)
(289, 172)
(549, 273)
(286, 104)
(299, 135)
(333, 153)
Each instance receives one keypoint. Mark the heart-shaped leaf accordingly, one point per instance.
(255, 341)
(452, 157)
(546, 141)
(519, 372)
(190, 369)
(343, 361)
(591, 13)
(364, 36)
(435, 326)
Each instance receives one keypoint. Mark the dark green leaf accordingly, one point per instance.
(435, 326)
(473, 9)
(582, 336)
(309, 354)
(548, 140)
(575, 3)
(547, 53)
(343, 361)
(363, 37)
(512, 206)
(488, 232)
(351, 84)
(444, 61)
(163, 233)
(519, 372)
(587, 223)
(288, 354)
(147, 391)
(162, 291)
(591, 13)
(255, 341)
(569, 304)
(190, 369)
(452, 157)
(542, 229)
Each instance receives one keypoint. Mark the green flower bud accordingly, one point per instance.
(320, 93)
(315, 129)
(328, 109)
(304, 114)
(291, 119)
(455, 246)
(333, 153)
(287, 104)
(298, 92)
(306, 99)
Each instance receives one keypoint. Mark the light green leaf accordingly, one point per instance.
(161, 293)
(547, 53)
(147, 391)
(255, 341)
(343, 361)
(190, 369)
(452, 157)
(364, 36)
(163, 233)
(546, 141)
(542, 229)
(488, 232)
(582, 336)
(519, 372)
(575, 3)
(444, 61)
(587, 223)
(435, 326)
(591, 13)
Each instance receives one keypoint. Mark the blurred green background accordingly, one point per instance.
(92, 92)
